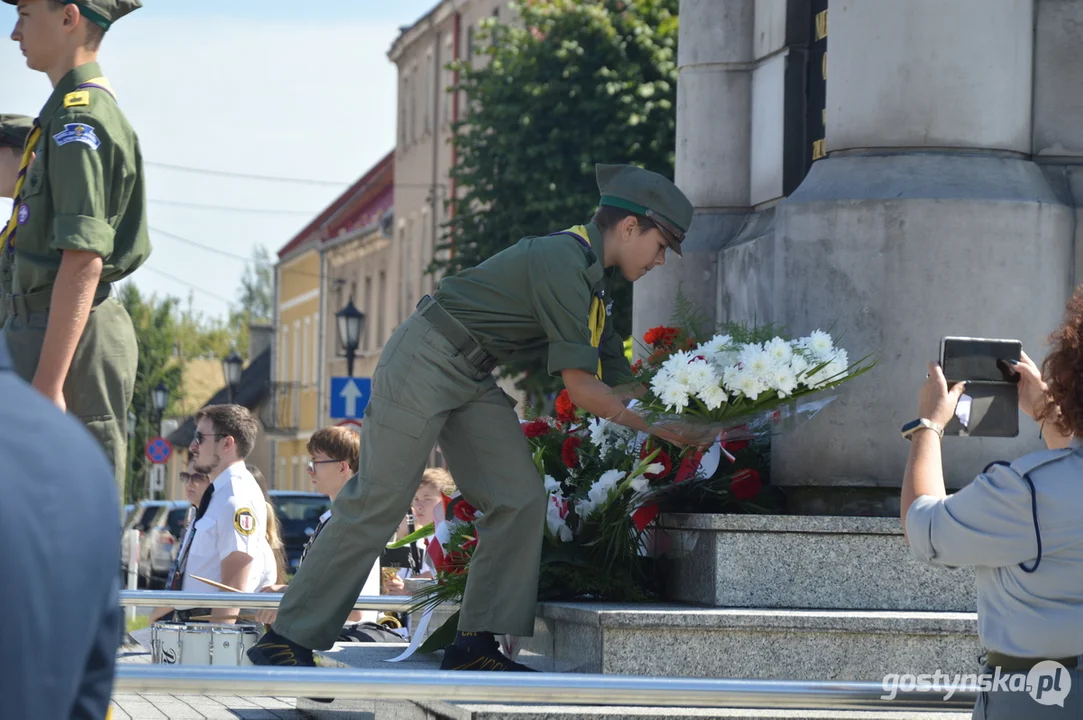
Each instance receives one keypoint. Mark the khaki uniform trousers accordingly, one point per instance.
(101, 380)
(1019, 705)
(424, 390)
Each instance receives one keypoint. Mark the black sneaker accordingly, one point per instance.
(457, 658)
(273, 649)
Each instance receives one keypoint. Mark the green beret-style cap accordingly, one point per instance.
(102, 13)
(14, 129)
(649, 194)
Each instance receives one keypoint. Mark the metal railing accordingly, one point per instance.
(283, 412)
(258, 601)
(538, 688)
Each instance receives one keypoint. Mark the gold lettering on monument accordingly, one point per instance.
(821, 25)
(819, 149)
(823, 66)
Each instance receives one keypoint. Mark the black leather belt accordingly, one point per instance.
(17, 304)
(456, 334)
(1010, 663)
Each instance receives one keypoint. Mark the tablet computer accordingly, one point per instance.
(989, 406)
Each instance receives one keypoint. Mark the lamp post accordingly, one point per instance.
(351, 322)
(160, 398)
(232, 366)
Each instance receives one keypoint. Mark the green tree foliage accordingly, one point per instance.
(576, 82)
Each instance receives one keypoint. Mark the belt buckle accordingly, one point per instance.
(487, 364)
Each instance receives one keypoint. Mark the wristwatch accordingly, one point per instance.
(914, 426)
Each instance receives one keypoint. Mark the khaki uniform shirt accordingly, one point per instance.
(84, 190)
(534, 298)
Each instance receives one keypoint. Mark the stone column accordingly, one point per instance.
(926, 219)
(714, 95)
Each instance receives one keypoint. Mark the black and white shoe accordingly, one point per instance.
(457, 658)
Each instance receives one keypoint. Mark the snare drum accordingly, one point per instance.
(180, 643)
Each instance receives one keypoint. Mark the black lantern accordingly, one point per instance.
(160, 397)
(351, 323)
(232, 366)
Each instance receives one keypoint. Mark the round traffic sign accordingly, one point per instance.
(159, 450)
(354, 425)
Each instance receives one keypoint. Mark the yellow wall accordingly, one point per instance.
(297, 362)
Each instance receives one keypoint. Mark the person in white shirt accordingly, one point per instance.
(229, 543)
(334, 459)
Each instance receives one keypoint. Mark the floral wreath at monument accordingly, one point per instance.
(606, 482)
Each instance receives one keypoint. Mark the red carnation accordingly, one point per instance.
(565, 407)
(569, 452)
(746, 484)
(688, 467)
(465, 511)
(662, 457)
(661, 336)
(536, 428)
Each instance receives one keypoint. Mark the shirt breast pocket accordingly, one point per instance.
(204, 542)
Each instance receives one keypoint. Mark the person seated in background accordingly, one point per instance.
(429, 499)
(278, 572)
(195, 487)
(1018, 524)
(333, 461)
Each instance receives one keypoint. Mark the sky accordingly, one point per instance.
(288, 89)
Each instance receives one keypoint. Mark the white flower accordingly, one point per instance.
(652, 469)
(755, 360)
(672, 394)
(783, 381)
(714, 397)
(641, 484)
(556, 524)
(551, 485)
(799, 365)
(778, 350)
(702, 375)
(820, 345)
(599, 491)
(718, 349)
(606, 435)
(750, 385)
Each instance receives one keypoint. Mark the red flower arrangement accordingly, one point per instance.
(746, 484)
(565, 407)
(569, 451)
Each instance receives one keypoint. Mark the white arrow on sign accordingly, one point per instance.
(351, 394)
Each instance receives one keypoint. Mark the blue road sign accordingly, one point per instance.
(349, 396)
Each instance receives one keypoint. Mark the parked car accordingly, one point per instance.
(140, 519)
(298, 515)
(162, 542)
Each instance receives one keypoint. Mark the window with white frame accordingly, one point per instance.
(313, 346)
(284, 356)
(298, 341)
(305, 354)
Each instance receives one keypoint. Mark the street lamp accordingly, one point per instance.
(351, 322)
(160, 397)
(232, 366)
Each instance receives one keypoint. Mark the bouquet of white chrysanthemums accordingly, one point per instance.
(724, 383)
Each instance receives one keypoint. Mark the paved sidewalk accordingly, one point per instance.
(141, 706)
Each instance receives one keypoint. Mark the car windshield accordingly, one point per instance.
(297, 513)
(149, 513)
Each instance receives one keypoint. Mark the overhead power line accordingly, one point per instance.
(197, 288)
(224, 253)
(233, 208)
(247, 176)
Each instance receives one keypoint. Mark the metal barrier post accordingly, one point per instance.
(133, 567)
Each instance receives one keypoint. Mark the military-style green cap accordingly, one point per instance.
(102, 13)
(649, 194)
(14, 129)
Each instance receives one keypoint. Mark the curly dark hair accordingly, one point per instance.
(1063, 372)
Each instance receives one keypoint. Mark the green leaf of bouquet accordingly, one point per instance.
(416, 535)
(442, 636)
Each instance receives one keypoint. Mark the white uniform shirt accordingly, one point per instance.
(236, 520)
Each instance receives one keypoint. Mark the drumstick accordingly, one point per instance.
(218, 585)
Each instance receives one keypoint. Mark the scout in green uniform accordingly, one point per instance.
(13, 132)
(78, 225)
(544, 295)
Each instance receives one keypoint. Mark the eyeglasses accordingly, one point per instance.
(192, 477)
(311, 467)
(200, 437)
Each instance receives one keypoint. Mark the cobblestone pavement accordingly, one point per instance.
(145, 706)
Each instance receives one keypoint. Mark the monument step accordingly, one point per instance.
(806, 562)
